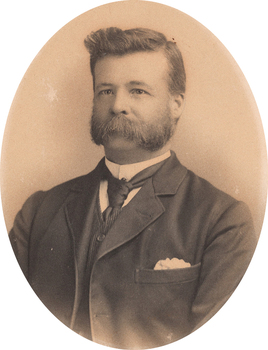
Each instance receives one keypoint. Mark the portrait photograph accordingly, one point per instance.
(134, 175)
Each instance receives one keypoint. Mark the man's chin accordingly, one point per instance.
(119, 142)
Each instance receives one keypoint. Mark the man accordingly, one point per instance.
(143, 260)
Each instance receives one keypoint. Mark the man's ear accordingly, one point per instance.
(177, 105)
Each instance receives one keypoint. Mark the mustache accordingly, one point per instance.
(150, 136)
(116, 124)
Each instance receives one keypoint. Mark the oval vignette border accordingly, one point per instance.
(74, 339)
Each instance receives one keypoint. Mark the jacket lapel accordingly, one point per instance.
(143, 209)
(146, 206)
(80, 206)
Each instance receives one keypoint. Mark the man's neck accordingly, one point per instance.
(123, 154)
(127, 171)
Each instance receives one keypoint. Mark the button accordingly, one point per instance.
(101, 237)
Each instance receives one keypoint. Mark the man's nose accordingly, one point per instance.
(120, 103)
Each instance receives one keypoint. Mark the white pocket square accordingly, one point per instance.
(171, 264)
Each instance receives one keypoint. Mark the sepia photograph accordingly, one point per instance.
(134, 175)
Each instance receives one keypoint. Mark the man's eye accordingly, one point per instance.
(106, 92)
(138, 91)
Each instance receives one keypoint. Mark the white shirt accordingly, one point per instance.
(126, 171)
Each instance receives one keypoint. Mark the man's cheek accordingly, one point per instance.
(102, 111)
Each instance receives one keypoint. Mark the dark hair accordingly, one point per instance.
(118, 42)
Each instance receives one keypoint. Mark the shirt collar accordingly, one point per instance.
(127, 171)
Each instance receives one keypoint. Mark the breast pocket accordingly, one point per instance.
(182, 275)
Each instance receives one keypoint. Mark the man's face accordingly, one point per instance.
(132, 101)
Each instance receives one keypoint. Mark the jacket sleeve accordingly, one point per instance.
(229, 248)
(20, 233)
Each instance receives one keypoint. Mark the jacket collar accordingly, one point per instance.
(172, 171)
(169, 177)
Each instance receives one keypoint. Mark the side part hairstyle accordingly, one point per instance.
(117, 42)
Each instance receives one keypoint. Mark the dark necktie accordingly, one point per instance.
(118, 191)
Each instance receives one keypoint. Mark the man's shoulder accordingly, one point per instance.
(195, 186)
(201, 196)
(204, 187)
(70, 184)
(77, 184)
(204, 193)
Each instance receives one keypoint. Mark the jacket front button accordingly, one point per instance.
(101, 237)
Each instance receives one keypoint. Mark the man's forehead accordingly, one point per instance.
(134, 56)
(136, 66)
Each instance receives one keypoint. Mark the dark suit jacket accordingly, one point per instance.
(175, 214)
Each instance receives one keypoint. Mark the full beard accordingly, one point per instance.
(147, 136)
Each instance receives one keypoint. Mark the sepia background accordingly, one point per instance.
(47, 134)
